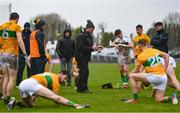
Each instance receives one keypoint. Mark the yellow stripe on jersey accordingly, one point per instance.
(151, 59)
(49, 80)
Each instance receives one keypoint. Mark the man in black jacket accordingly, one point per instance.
(21, 60)
(65, 49)
(160, 39)
(84, 47)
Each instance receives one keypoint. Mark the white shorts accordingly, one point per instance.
(158, 81)
(123, 59)
(171, 61)
(28, 87)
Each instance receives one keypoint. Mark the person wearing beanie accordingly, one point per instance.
(37, 56)
(21, 60)
(65, 49)
(84, 47)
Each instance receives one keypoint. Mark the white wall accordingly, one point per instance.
(51, 47)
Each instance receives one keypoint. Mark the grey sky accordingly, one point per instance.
(123, 14)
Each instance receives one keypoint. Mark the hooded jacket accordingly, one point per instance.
(26, 39)
(66, 46)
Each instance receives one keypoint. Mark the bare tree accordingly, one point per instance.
(172, 18)
(102, 26)
(54, 25)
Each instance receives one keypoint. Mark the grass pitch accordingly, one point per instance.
(101, 100)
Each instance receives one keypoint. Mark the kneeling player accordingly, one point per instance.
(154, 73)
(172, 80)
(45, 85)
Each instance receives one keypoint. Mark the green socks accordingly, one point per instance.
(169, 99)
(70, 103)
(124, 78)
(135, 96)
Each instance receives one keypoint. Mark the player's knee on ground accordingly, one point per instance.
(28, 102)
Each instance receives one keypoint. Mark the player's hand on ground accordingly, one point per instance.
(81, 106)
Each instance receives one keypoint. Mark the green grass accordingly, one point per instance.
(101, 100)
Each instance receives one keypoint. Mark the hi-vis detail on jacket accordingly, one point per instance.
(34, 49)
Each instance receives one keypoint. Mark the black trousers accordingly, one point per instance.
(21, 66)
(37, 65)
(82, 81)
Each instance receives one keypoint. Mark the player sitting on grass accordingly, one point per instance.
(154, 73)
(45, 85)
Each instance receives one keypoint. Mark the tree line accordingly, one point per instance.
(55, 25)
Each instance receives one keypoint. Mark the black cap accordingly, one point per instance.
(39, 23)
(27, 25)
(90, 24)
(158, 24)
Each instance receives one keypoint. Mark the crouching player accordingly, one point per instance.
(154, 73)
(45, 85)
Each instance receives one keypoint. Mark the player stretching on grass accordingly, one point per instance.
(45, 85)
(154, 73)
(123, 45)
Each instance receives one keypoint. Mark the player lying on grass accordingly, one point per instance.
(154, 73)
(45, 85)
